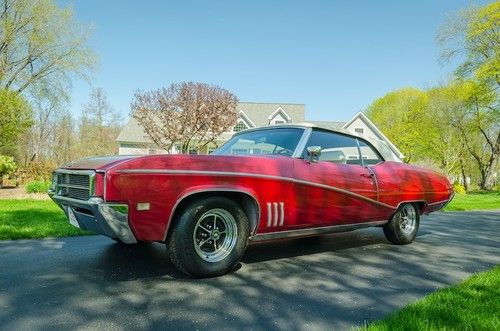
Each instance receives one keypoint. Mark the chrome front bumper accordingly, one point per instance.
(109, 219)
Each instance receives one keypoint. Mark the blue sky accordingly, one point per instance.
(336, 57)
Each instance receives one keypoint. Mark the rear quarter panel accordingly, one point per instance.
(400, 182)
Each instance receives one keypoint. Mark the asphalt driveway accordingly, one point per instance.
(336, 281)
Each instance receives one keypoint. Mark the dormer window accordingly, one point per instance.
(240, 126)
(279, 116)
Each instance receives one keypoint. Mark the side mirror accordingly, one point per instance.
(313, 153)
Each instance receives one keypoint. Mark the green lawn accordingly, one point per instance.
(471, 305)
(28, 218)
(474, 201)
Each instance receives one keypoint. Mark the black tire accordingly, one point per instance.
(398, 231)
(186, 233)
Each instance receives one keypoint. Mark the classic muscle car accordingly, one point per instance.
(263, 184)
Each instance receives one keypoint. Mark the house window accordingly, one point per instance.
(152, 151)
(193, 151)
(279, 122)
(240, 127)
(359, 130)
(239, 151)
(127, 145)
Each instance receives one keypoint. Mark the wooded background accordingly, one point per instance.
(453, 127)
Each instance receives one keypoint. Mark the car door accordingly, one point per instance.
(337, 188)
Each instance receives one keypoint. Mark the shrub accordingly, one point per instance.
(37, 186)
(459, 188)
(39, 170)
(7, 166)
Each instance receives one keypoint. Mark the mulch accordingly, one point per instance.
(20, 193)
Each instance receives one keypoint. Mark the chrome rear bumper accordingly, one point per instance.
(109, 219)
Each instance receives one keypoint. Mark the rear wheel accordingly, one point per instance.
(209, 238)
(403, 226)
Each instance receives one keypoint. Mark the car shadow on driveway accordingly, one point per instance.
(332, 282)
(119, 262)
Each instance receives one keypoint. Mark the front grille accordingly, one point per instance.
(74, 185)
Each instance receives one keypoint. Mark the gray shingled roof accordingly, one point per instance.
(132, 132)
(257, 112)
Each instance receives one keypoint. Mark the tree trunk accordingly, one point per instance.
(487, 182)
(464, 177)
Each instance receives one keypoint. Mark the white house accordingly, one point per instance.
(133, 140)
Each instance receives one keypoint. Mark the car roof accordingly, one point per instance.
(381, 146)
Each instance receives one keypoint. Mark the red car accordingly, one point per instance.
(263, 184)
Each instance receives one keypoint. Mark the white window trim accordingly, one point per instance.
(247, 119)
(283, 113)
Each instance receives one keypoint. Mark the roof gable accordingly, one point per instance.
(278, 111)
(361, 116)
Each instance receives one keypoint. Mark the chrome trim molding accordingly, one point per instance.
(90, 173)
(275, 214)
(116, 216)
(411, 201)
(108, 219)
(301, 145)
(275, 205)
(442, 201)
(269, 215)
(315, 231)
(282, 213)
(214, 190)
(253, 175)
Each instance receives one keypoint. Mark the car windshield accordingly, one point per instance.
(279, 141)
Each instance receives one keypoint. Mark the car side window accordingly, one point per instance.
(369, 155)
(335, 148)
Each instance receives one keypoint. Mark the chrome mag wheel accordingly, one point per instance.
(215, 235)
(408, 219)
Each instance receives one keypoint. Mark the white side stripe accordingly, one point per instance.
(282, 213)
(275, 204)
(269, 214)
(275, 214)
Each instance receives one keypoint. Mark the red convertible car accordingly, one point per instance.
(263, 184)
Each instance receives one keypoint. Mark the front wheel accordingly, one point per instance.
(209, 238)
(403, 226)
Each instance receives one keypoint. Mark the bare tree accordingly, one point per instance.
(184, 113)
(48, 100)
(100, 124)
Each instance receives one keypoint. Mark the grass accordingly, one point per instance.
(475, 201)
(471, 305)
(28, 218)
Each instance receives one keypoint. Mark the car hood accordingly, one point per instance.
(98, 163)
